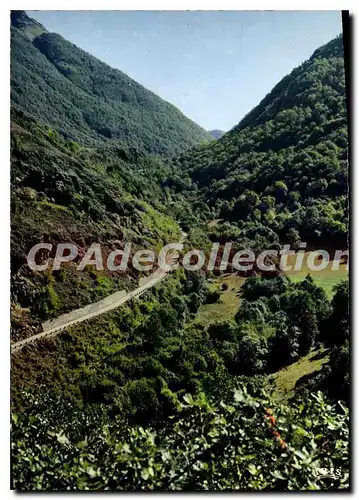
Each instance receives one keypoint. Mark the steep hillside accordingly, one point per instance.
(283, 168)
(85, 99)
(64, 192)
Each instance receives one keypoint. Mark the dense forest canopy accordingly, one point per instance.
(86, 100)
(150, 396)
(282, 171)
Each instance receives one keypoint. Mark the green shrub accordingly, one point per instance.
(250, 444)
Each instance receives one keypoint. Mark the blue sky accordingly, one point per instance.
(213, 65)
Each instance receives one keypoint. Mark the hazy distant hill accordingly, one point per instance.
(87, 100)
(217, 134)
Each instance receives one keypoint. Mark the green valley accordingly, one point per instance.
(212, 380)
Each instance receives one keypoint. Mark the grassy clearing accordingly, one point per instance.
(285, 380)
(327, 278)
(229, 302)
(214, 222)
(46, 203)
(159, 228)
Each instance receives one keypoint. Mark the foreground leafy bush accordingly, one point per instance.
(251, 444)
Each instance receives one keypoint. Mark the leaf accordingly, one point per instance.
(252, 469)
(278, 475)
(126, 448)
(238, 395)
(188, 399)
(91, 472)
(144, 474)
(62, 439)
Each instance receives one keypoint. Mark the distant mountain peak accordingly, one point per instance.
(216, 133)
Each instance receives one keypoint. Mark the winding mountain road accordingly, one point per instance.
(113, 301)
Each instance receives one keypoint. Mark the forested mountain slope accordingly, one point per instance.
(85, 99)
(63, 192)
(283, 168)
